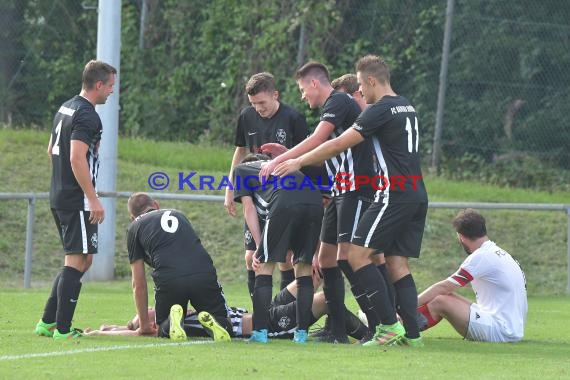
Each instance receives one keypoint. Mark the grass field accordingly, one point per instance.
(543, 354)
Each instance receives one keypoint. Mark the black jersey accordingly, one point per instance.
(166, 241)
(287, 127)
(341, 110)
(392, 126)
(76, 119)
(276, 192)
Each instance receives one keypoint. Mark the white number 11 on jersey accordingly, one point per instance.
(411, 145)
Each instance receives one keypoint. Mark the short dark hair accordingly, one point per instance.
(470, 224)
(96, 71)
(315, 70)
(373, 65)
(260, 82)
(139, 203)
(348, 82)
(252, 157)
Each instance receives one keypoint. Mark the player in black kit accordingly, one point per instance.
(293, 215)
(182, 269)
(267, 120)
(394, 223)
(74, 152)
(338, 113)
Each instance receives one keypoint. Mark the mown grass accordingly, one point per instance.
(542, 354)
(536, 238)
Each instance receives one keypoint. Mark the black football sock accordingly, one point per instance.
(68, 291)
(287, 277)
(250, 282)
(407, 304)
(375, 288)
(261, 301)
(359, 295)
(354, 326)
(333, 287)
(389, 286)
(304, 302)
(51, 305)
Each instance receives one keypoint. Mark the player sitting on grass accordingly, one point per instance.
(499, 314)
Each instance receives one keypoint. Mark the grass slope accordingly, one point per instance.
(536, 239)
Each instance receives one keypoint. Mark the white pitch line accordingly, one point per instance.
(98, 349)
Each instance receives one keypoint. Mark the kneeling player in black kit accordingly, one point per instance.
(182, 271)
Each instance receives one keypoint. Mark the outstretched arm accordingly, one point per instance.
(239, 155)
(443, 287)
(321, 134)
(140, 294)
(327, 150)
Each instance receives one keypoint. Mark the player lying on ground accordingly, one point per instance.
(282, 320)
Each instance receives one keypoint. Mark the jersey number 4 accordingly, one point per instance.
(169, 223)
(412, 147)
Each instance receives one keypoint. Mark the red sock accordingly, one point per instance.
(430, 321)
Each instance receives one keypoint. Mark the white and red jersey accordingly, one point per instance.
(499, 285)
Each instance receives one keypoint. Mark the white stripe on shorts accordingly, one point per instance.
(375, 224)
(356, 218)
(265, 250)
(83, 233)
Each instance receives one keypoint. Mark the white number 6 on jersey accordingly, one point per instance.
(168, 222)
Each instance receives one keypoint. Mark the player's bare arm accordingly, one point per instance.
(329, 149)
(321, 134)
(251, 218)
(140, 294)
(229, 204)
(49, 148)
(80, 168)
(440, 288)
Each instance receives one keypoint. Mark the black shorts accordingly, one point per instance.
(248, 241)
(342, 216)
(77, 234)
(296, 228)
(202, 291)
(282, 320)
(395, 228)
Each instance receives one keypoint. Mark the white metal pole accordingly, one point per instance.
(108, 50)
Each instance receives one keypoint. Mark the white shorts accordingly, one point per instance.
(483, 327)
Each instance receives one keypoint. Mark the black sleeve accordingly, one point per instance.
(245, 179)
(336, 109)
(134, 247)
(241, 130)
(372, 118)
(85, 125)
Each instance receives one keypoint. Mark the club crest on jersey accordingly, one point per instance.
(247, 237)
(284, 322)
(281, 136)
(94, 240)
